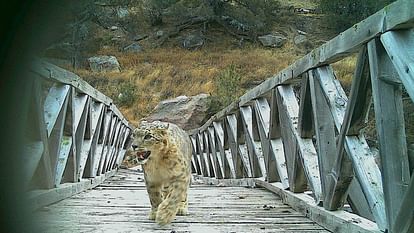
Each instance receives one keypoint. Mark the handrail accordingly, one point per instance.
(76, 136)
(269, 135)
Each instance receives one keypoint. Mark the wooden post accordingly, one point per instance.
(389, 118)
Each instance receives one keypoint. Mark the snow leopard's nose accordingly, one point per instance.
(134, 146)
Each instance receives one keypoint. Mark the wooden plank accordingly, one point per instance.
(240, 167)
(358, 202)
(61, 162)
(80, 110)
(334, 196)
(363, 160)
(389, 119)
(40, 198)
(107, 149)
(98, 111)
(305, 122)
(274, 132)
(357, 108)
(55, 73)
(122, 147)
(209, 156)
(195, 154)
(220, 137)
(112, 145)
(404, 222)
(399, 46)
(211, 209)
(203, 160)
(300, 153)
(335, 221)
(262, 113)
(32, 152)
(257, 164)
(215, 153)
(101, 140)
(54, 104)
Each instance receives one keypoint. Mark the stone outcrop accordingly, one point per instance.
(271, 40)
(104, 64)
(186, 112)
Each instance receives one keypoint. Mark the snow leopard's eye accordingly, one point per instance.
(148, 137)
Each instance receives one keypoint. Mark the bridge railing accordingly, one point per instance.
(313, 139)
(76, 135)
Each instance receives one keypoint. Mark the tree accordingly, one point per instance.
(342, 14)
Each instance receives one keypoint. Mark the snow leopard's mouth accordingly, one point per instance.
(143, 155)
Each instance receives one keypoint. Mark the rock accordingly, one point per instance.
(193, 41)
(186, 112)
(114, 28)
(133, 48)
(300, 39)
(159, 33)
(275, 41)
(122, 12)
(104, 64)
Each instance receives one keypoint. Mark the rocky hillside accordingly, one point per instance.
(139, 53)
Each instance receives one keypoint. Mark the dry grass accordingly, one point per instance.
(163, 73)
(344, 70)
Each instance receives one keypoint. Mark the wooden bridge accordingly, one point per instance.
(290, 155)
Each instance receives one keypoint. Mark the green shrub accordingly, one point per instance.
(227, 89)
(126, 94)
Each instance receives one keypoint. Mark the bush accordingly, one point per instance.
(127, 94)
(227, 89)
(342, 14)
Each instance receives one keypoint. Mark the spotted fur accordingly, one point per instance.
(164, 150)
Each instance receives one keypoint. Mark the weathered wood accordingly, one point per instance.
(389, 119)
(209, 156)
(121, 204)
(357, 200)
(55, 73)
(98, 111)
(305, 122)
(80, 109)
(300, 153)
(228, 169)
(97, 167)
(399, 46)
(357, 108)
(257, 164)
(62, 159)
(274, 168)
(239, 165)
(41, 198)
(196, 153)
(404, 221)
(335, 221)
(54, 105)
(363, 160)
(204, 162)
(274, 132)
(215, 153)
(326, 144)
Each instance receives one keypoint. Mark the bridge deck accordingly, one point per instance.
(121, 205)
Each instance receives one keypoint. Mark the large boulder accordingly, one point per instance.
(104, 64)
(186, 112)
(193, 41)
(274, 41)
